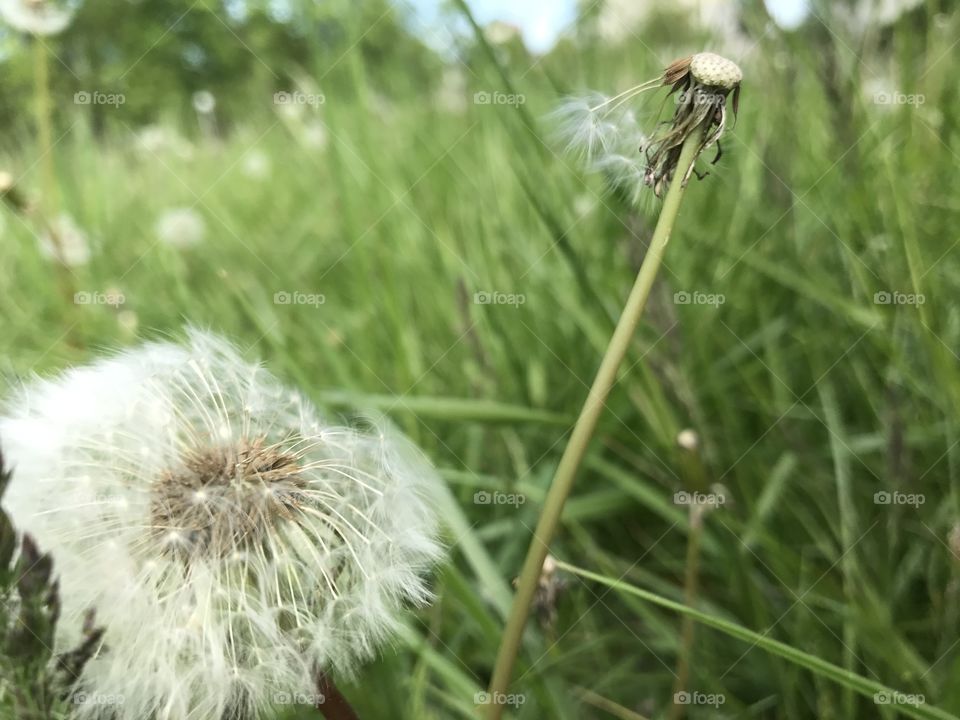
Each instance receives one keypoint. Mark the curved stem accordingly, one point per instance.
(585, 425)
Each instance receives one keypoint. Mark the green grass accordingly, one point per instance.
(809, 396)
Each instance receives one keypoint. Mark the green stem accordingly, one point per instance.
(41, 77)
(691, 585)
(585, 425)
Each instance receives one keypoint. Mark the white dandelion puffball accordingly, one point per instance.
(204, 102)
(36, 17)
(231, 541)
(181, 227)
(64, 242)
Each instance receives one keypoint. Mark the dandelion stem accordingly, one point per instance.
(41, 78)
(331, 703)
(586, 424)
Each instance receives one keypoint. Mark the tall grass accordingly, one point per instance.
(810, 396)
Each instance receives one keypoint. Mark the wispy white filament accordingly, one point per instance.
(604, 134)
(231, 541)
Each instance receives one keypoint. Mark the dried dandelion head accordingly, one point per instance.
(605, 133)
(233, 542)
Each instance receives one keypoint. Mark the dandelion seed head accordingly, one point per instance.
(64, 242)
(224, 566)
(204, 102)
(181, 227)
(36, 17)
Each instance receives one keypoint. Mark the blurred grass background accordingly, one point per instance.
(400, 197)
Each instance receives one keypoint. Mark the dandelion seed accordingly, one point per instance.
(63, 241)
(605, 133)
(181, 227)
(36, 17)
(256, 544)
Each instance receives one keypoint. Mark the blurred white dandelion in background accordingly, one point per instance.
(314, 135)
(233, 542)
(204, 102)
(36, 17)
(181, 227)
(64, 242)
(158, 139)
(256, 165)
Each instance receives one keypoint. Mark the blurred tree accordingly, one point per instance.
(158, 53)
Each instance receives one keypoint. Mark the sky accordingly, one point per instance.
(542, 21)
